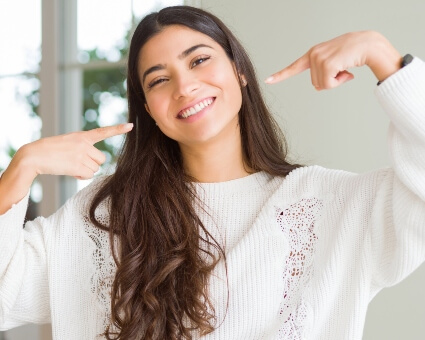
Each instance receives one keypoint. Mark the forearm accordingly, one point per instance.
(16, 180)
(403, 98)
(398, 241)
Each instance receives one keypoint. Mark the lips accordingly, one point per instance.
(194, 109)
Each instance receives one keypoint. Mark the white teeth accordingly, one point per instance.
(196, 108)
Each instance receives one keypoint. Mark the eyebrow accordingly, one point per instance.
(182, 55)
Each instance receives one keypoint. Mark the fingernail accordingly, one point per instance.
(269, 79)
(128, 126)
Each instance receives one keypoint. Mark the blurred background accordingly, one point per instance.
(62, 69)
(74, 80)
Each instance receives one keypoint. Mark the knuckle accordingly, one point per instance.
(314, 52)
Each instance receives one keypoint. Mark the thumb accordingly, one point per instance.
(344, 76)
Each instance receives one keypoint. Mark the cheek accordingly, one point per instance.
(225, 76)
(228, 82)
(232, 91)
(157, 106)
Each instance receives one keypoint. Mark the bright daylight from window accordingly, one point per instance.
(100, 38)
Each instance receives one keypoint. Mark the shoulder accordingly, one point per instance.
(89, 191)
(317, 181)
(79, 204)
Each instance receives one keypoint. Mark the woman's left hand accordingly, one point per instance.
(329, 61)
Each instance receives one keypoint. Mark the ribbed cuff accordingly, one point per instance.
(402, 95)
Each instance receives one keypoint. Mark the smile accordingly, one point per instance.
(193, 110)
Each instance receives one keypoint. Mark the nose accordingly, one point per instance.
(185, 85)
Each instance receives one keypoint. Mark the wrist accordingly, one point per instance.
(23, 164)
(15, 182)
(383, 59)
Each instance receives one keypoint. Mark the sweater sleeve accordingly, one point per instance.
(24, 293)
(398, 231)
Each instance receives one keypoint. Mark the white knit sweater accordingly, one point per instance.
(305, 254)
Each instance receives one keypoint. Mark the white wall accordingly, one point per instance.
(343, 128)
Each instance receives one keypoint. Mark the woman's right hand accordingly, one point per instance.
(72, 154)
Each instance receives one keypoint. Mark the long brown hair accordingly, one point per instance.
(165, 254)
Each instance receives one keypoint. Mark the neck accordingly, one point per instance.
(215, 161)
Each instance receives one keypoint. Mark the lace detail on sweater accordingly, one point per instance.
(104, 268)
(297, 222)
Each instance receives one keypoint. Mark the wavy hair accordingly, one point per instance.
(165, 254)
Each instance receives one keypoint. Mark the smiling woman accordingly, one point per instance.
(166, 79)
(206, 229)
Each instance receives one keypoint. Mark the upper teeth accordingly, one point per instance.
(196, 108)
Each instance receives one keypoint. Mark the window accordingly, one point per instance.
(20, 37)
(74, 80)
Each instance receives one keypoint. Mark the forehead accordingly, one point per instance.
(169, 43)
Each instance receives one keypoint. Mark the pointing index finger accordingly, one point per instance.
(298, 66)
(99, 134)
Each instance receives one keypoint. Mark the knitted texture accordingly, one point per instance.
(305, 253)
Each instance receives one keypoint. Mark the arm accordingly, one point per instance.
(398, 232)
(396, 229)
(24, 290)
(72, 154)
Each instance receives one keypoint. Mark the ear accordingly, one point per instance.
(243, 80)
(241, 77)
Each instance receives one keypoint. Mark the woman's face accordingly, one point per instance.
(191, 87)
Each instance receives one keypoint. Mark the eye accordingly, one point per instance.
(156, 82)
(199, 60)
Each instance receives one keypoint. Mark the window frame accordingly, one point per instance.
(60, 93)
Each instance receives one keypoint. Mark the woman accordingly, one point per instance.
(206, 229)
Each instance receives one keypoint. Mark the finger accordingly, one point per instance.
(298, 66)
(92, 165)
(331, 82)
(99, 134)
(84, 173)
(343, 76)
(97, 155)
(315, 75)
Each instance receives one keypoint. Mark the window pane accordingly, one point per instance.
(102, 29)
(20, 36)
(105, 104)
(19, 122)
(106, 37)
